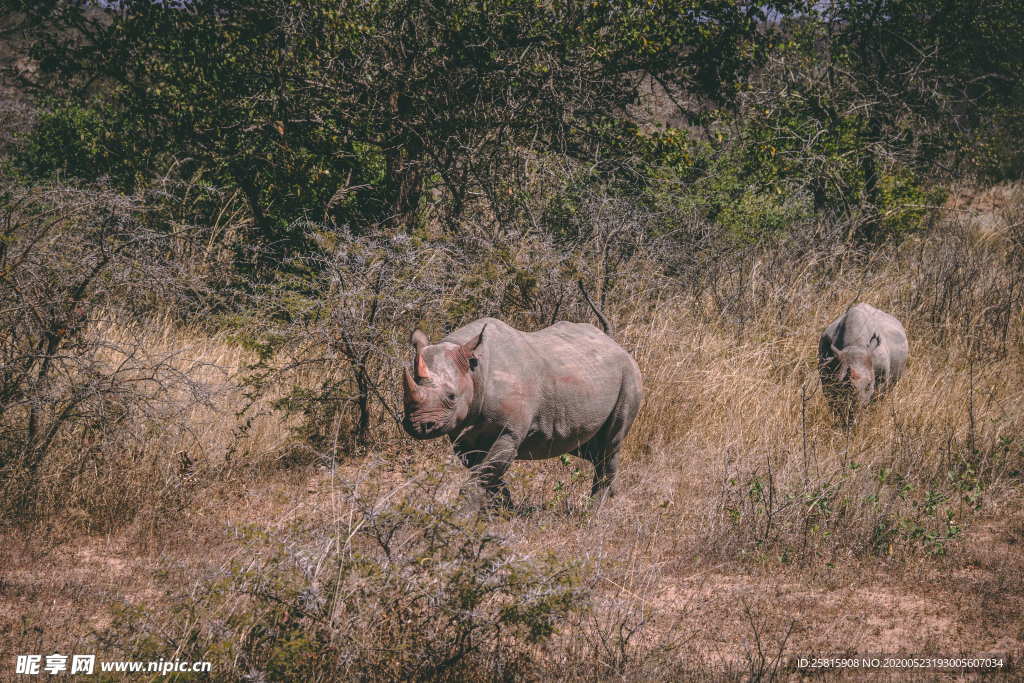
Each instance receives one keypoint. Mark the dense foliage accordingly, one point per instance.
(403, 112)
(350, 112)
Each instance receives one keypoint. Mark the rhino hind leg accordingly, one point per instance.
(602, 452)
(603, 449)
(606, 464)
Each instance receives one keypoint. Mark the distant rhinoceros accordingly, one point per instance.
(861, 353)
(501, 394)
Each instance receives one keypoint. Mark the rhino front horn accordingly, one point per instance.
(411, 390)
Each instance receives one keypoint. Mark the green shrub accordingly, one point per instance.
(75, 140)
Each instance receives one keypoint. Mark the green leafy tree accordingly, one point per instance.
(858, 108)
(917, 79)
(351, 111)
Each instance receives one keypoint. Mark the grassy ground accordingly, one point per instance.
(748, 527)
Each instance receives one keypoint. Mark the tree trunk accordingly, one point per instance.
(870, 230)
(404, 178)
(404, 170)
(363, 401)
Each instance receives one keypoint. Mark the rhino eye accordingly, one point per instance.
(451, 397)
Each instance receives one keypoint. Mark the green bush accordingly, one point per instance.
(74, 140)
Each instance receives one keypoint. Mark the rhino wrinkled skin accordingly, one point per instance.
(501, 394)
(862, 353)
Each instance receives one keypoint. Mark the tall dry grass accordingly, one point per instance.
(734, 412)
(734, 461)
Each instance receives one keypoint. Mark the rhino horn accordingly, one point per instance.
(419, 340)
(412, 392)
(421, 367)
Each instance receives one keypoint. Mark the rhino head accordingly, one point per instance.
(439, 389)
(856, 374)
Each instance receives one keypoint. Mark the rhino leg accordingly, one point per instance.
(488, 473)
(603, 453)
(606, 464)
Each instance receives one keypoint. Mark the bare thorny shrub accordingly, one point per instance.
(403, 585)
(84, 397)
(332, 335)
(327, 337)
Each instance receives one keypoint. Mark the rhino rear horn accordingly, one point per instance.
(419, 340)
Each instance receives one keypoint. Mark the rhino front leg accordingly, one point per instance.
(489, 472)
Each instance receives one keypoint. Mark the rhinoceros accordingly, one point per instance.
(500, 394)
(861, 353)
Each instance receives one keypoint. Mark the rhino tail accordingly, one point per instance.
(607, 326)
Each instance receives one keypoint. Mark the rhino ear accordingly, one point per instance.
(874, 342)
(470, 347)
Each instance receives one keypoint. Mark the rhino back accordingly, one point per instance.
(856, 327)
(587, 377)
(560, 384)
(894, 339)
(584, 367)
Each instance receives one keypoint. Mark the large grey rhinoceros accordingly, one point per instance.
(501, 394)
(861, 354)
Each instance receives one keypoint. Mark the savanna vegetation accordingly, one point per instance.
(220, 221)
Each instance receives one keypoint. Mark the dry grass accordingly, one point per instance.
(748, 527)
